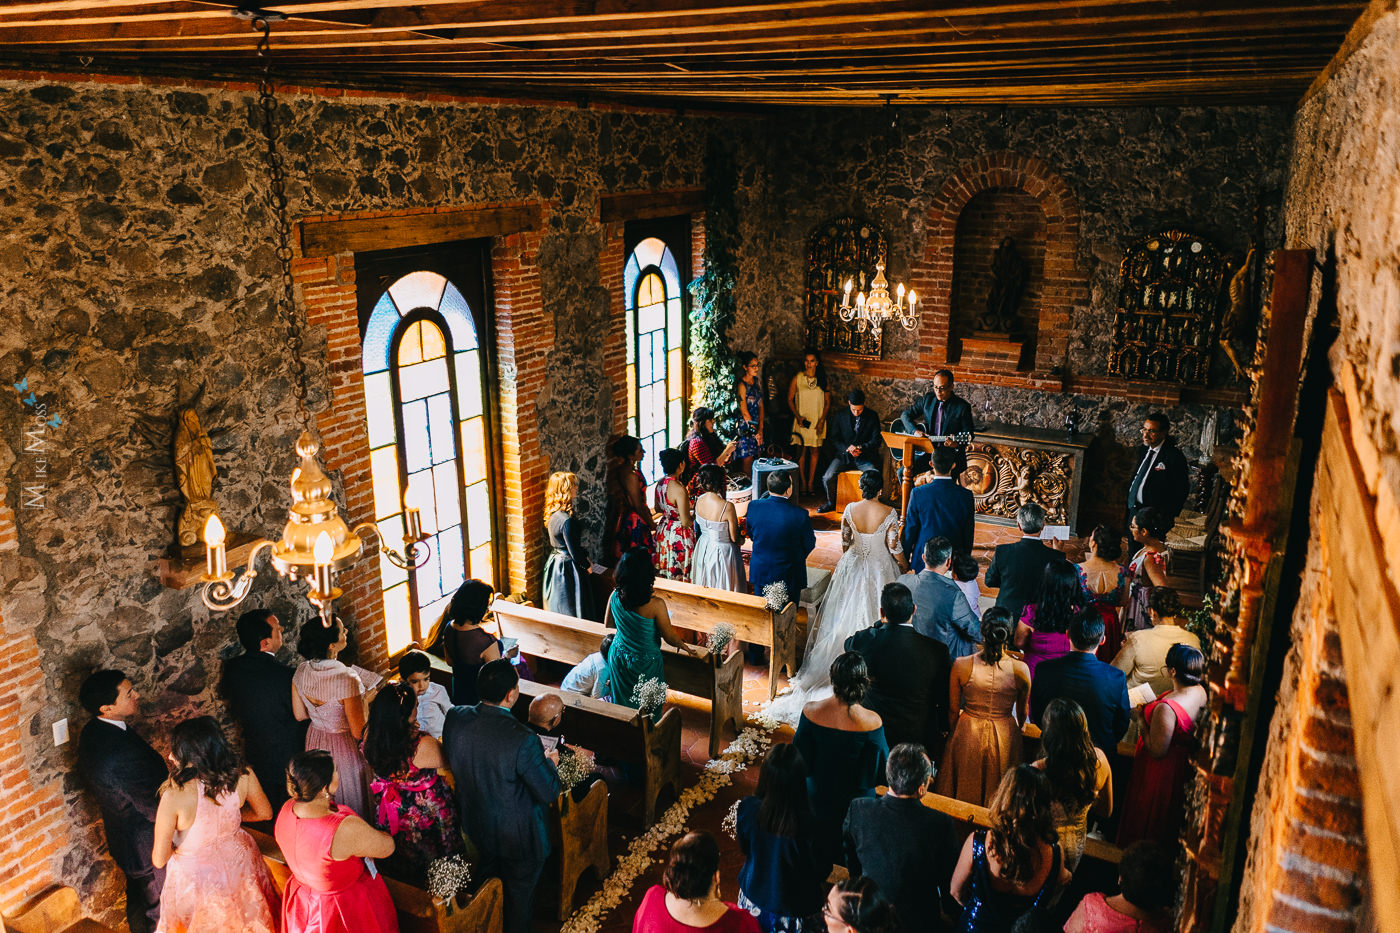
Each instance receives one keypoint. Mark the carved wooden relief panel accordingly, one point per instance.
(1168, 309)
(1005, 476)
(839, 249)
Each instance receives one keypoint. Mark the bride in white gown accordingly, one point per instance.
(870, 541)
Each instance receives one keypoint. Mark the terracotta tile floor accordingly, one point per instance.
(625, 802)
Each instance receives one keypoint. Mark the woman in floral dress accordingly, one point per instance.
(629, 520)
(412, 802)
(1148, 568)
(675, 532)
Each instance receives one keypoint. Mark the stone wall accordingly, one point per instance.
(1308, 865)
(136, 276)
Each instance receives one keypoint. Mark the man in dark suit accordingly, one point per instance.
(939, 508)
(1017, 568)
(1161, 477)
(506, 784)
(907, 848)
(1100, 689)
(941, 609)
(940, 413)
(258, 688)
(125, 775)
(855, 433)
(782, 535)
(908, 673)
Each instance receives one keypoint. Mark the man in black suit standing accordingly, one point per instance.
(855, 433)
(908, 673)
(908, 848)
(1100, 689)
(1162, 479)
(125, 775)
(939, 508)
(940, 413)
(1017, 568)
(506, 783)
(258, 688)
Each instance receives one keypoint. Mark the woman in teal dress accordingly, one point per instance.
(642, 622)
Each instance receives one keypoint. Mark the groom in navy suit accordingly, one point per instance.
(938, 509)
(781, 531)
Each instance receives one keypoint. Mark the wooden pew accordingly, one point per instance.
(417, 911)
(544, 634)
(54, 910)
(701, 608)
(580, 836)
(971, 813)
(620, 732)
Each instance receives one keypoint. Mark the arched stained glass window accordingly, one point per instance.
(428, 438)
(655, 351)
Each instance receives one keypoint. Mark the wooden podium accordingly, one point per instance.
(894, 440)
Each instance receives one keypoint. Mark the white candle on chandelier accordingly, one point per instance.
(215, 558)
(899, 294)
(911, 300)
(860, 299)
(414, 518)
(850, 283)
(322, 552)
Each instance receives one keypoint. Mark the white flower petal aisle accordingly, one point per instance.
(750, 747)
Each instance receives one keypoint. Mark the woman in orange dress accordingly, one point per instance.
(986, 702)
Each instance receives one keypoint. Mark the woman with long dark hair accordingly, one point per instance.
(332, 697)
(1148, 568)
(412, 801)
(749, 390)
(987, 697)
(718, 561)
(642, 623)
(783, 876)
(809, 400)
(1015, 866)
(1043, 632)
(215, 878)
(466, 644)
(327, 847)
(1078, 772)
(675, 530)
(702, 447)
(630, 524)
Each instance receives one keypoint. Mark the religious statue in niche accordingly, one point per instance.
(1168, 309)
(1004, 297)
(194, 474)
(841, 249)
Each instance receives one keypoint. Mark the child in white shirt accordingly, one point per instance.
(590, 676)
(965, 576)
(416, 669)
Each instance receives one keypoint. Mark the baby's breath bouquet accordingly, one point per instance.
(447, 877)
(649, 695)
(719, 638)
(730, 823)
(776, 595)
(573, 769)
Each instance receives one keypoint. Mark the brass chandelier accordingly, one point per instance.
(878, 307)
(316, 543)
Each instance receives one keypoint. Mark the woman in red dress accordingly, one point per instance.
(630, 523)
(688, 897)
(702, 446)
(1157, 789)
(332, 889)
(675, 532)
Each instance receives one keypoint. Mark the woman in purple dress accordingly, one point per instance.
(1042, 631)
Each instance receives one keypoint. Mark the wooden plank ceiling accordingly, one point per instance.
(693, 53)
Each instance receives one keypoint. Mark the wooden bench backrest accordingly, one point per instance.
(545, 634)
(51, 911)
(701, 608)
(965, 812)
(601, 727)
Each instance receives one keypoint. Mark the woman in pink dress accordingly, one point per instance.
(1042, 632)
(1147, 890)
(327, 847)
(675, 532)
(331, 695)
(1156, 796)
(688, 897)
(215, 879)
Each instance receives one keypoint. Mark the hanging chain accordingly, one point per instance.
(277, 200)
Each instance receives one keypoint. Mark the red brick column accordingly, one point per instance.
(33, 818)
(611, 262)
(328, 292)
(523, 342)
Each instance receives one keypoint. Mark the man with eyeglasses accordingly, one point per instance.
(938, 414)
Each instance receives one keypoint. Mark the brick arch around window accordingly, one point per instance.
(1064, 285)
(324, 271)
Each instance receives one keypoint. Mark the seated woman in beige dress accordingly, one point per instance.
(1144, 654)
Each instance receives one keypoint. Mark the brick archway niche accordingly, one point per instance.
(1000, 193)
